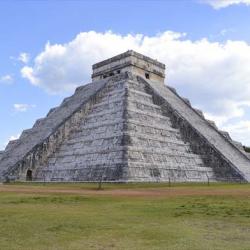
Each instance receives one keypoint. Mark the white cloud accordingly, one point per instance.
(239, 130)
(21, 107)
(224, 32)
(227, 109)
(218, 4)
(24, 57)
(14, 137)
(215, 76)
(62, 67)
(7, 79)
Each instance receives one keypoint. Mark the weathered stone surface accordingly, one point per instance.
(246, 153)
(199, 112)
(129, 61)
(11, 144)
(186, 100)
(124, 128)
(226, 135)
(212, 123)
(44, 129)
(238, 145)
(1, 153)
(204, 137)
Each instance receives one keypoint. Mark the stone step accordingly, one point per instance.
(11, 144)
(88, 142)
(132, 93)
(113, 94)
(168, 167)
(143, 102)
(89, 123)
(89, 135)
(116, 113)
(93, 139)
(170, 139)
(82, 165)
(109, 101)
(136, 103)
(131, 113)
(108, 106)
(154, 128)
(88, 173)
(80, 140)
(110, 152)
(144, 117)
(173, 175)
(106, 123)
(67, 163)
(27, 132)
(62, 164)
(133, 128)
(135, 85)
(134, 124)
(162, 153)
(105, 112)
(107, 138)
(113, 86)
(133, 96)
(169, 158)
(169, 146)
(145, 107)
(141, 98)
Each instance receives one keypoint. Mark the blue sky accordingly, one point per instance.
(47, 49)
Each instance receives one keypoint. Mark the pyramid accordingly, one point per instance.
(125, 126)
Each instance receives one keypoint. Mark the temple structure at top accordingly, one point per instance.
(130, 61)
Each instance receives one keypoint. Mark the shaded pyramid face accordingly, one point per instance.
(125, 127)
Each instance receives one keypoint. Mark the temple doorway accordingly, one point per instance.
(29, 175)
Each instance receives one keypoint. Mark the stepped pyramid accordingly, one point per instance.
(126, 125)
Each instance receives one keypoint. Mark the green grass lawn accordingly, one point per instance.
(69, 221)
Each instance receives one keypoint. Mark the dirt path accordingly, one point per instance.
(139, 192)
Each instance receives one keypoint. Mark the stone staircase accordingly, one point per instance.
(156, 150)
